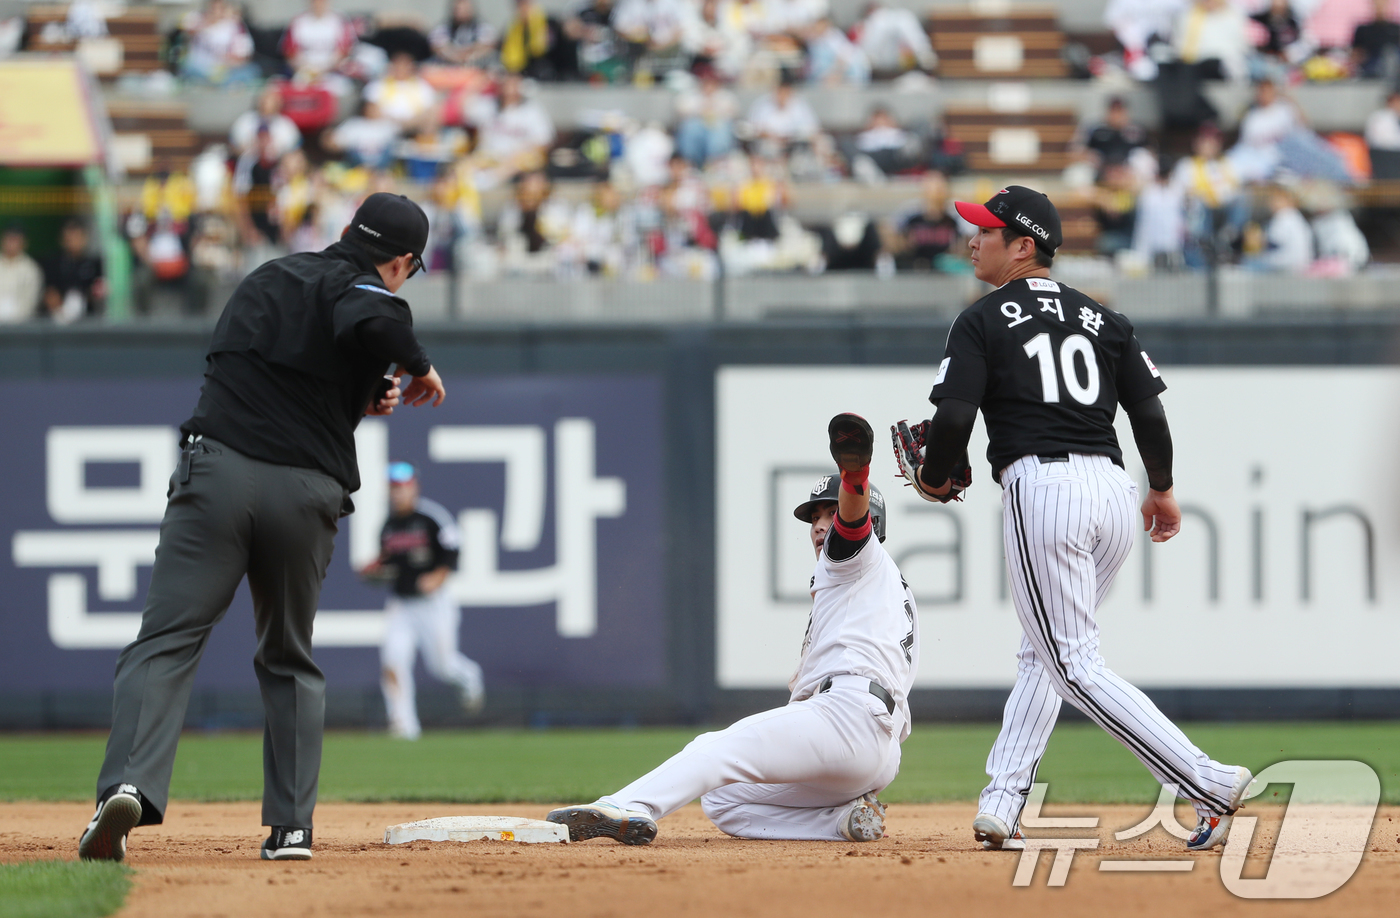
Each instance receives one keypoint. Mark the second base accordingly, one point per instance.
(477, 828)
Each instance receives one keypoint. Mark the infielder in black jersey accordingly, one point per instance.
(418, 549)
(1048, 367)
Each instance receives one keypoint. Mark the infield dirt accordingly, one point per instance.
(203, 862)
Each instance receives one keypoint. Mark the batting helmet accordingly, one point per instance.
(826, 490)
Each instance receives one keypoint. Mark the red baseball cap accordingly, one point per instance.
(1024, 210)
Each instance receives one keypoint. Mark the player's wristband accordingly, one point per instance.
(854, 482)
(854, 533)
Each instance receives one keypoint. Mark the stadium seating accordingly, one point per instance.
(160, 129)
(1002, 99)
(1020, 43)
(1034, 140)
(136, 32)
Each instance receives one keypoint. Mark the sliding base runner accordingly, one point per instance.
(1048, 367)
(811, 769)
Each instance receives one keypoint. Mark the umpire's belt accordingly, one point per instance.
(875, 688)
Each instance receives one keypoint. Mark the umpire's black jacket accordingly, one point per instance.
(298, 354)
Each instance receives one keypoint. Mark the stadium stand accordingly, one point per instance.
(131, 42)
(1010, 93)
(1018, 43)
(155, 136)
(1033, 140)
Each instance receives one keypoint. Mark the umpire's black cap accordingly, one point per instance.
(828, 489)
(1024, 210)
(393, 224)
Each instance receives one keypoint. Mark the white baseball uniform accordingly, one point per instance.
(792, 772)
(415, 544)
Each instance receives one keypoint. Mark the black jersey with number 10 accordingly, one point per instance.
(1049, 367)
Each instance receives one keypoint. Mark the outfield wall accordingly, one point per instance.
(604, 581)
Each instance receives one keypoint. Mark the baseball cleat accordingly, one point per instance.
(472, 702)
(993, 834)
(603, 820)
(104, 839)
(865, 821)
(852, 441)
(1213, 830)
(287, 843)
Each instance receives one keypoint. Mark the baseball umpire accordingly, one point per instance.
(267, 465)
(810, 769)
(1048, 367)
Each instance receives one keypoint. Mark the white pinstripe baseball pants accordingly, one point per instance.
(1068, 528)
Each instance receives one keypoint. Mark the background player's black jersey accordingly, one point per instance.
(422, 541)
(1048, 366)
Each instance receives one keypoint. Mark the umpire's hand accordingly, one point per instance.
(387, 402)
(423, 388)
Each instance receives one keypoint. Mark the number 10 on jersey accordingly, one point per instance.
(1043, 350)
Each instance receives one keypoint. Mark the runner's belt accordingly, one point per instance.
(875, 688)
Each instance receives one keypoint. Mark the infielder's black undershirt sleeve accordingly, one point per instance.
(947, 440)
(391, 340)
(838, 547)
(1154, 441)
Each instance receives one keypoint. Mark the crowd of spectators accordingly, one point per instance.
(1286, 40)
(349, 105)
(1217, 205)
(66, 286)
(601, 41)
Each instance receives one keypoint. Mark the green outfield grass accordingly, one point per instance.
(941, 762)
(62, 889)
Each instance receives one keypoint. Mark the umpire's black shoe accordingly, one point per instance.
(287, 843)
(852, 441)
(118, 812)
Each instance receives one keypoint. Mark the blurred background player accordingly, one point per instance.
(418, 550)
(811, 769)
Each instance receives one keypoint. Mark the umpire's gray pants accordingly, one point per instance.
(235, 516)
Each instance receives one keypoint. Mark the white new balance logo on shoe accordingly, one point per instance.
(127, 789)
(286, 843)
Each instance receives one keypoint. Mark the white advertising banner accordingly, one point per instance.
(1285, 572)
